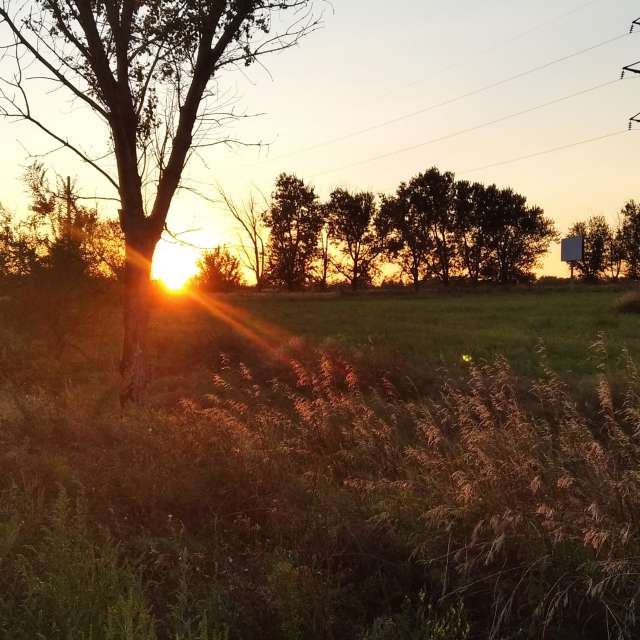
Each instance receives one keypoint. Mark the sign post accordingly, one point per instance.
(572, 251)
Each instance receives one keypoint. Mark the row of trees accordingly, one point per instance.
(610, 251)
(434, 228)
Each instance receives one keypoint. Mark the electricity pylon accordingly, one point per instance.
(632, 68)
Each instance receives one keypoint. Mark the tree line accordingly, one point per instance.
(610, 251)
(433, 227)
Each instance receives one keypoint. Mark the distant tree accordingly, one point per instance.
(252, 236)
(473, 207)
(219, 271)
(631, 238)
(596, 234)
(351, 217)
(615, 252)
(433, 195)
(404, 231)
(294, 220)
(517, 235)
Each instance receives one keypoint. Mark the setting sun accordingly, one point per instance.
(174, 265)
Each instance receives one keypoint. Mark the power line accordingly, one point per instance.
(450, 101)
(545, 152)
(514, 38)
(461, 132)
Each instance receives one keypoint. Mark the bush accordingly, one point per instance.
(628, 303)
(220, 271)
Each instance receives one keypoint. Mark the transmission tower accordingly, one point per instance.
(633, 68)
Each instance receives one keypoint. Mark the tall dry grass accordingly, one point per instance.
(309, 497)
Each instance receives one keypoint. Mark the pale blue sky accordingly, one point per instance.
(376, 60)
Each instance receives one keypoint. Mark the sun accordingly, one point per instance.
(174, 265)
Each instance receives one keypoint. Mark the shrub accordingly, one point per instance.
(219, 271)
(628, 303)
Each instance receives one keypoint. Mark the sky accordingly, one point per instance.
(345, 106)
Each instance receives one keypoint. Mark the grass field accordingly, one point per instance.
(321, 467)
(437, 330)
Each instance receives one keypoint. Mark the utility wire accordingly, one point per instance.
(450, 101)
(545, 152)
(514, 38)
(477, 127)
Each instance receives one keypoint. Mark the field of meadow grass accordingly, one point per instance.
(322, 467)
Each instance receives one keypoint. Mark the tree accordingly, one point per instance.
(596, 234)
(473, 203)
(252, 235)
(517, 235)
(219, 271)
(631, 238)
(350, 217)
(145, 69)
(74, 241)
(294, 219)
(615, 252)
(405, 234)
(432, 194)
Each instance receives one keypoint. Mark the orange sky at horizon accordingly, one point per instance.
(377, 63)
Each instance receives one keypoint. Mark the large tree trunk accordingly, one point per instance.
(137, 299)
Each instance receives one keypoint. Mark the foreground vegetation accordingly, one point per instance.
(280, 487)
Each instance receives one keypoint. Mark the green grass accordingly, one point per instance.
(422, 335)
(437, 330)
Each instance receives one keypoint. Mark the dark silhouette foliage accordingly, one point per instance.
(631, 238)
(596, 234)
(407, 239)
(350, 218)
(517, 236)
(294, 220)
(220, 271)
(437, 227)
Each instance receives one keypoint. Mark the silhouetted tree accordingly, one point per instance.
(518, 235)
(67, 226)
(252, 236)
(294, 219)
(145, 69)
(219, 271)
(615, 252)
(631, 238)
(351, 217)
(596, 234)
(74, 242)
(473, 203)
(402, 227)
(433, 195)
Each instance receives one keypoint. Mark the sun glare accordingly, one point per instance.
(174, 265)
